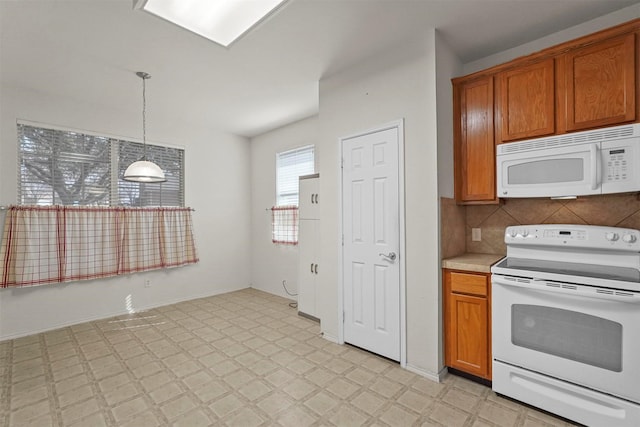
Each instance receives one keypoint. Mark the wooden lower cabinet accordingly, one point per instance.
(467, 321)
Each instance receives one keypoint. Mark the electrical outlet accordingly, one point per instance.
(147, 283)
(476, 234)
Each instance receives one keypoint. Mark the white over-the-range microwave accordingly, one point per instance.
(601, 161)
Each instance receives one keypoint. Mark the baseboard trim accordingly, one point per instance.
(330, 338)
(53, 327)
(308, 316)
(436, 377)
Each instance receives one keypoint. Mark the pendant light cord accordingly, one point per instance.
(144, 171)
(144, 118)
(144, 76)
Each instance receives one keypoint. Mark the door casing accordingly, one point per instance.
(399, 125)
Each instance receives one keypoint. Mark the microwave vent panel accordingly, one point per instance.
(599, 135)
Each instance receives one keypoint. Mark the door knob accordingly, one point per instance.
(390, 256)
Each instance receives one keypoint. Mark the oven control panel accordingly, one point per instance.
(579, 236)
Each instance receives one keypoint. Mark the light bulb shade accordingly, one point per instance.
(144, 171)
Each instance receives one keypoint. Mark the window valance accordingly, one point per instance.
(53, 244)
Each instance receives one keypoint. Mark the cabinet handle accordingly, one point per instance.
(311, 268)
(316, 269)
(311, 198)
(594, 166)
(316, 198)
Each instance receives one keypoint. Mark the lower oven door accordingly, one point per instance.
(574, 333)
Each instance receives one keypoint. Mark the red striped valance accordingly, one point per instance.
(53, 244)
(284, 225)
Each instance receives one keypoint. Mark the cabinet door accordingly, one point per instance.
(468, 340)
(467, 322)
(526, 104)
(307, 266)
(601, 84)
(474, 143)
(309, 198)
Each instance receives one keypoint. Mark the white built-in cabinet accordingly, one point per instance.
(308, 239)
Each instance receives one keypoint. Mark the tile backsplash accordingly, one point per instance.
(619, 210)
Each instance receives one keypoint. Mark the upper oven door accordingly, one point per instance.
(552, 172)
(572, 333)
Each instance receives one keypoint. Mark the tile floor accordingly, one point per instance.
(240, 359)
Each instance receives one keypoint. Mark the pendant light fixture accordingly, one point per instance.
(143, 170)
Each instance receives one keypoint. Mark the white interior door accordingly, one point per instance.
(371, 227)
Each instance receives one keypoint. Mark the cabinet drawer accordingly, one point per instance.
(471, 284)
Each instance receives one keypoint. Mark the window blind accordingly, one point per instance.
(64, 167)
(290, 165)
(170, 160)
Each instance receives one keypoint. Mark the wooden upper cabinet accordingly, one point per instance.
(587, 83)
(600, 83)
(526, 101)
(474, 150)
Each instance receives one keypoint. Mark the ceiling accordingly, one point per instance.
(90, 50)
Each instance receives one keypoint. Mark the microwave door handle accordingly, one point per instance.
(594, 166)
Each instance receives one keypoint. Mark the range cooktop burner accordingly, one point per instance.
(622, 274)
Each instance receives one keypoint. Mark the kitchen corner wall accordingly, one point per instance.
(453, 225)
(616, 210)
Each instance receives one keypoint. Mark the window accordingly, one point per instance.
(64, 167)
(290, 165)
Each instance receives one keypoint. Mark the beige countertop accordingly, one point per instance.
(480, 263)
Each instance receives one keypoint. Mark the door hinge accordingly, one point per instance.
(343, 240)
(342, 163)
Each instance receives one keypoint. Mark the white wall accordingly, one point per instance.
(597, 24)
(447, 66)
(217, 187)
(400, 85)
(271, 263)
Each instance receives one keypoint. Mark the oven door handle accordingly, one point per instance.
(569, 290)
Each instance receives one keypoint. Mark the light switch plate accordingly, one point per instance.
(476, 234)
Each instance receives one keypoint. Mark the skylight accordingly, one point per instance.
(221, 21)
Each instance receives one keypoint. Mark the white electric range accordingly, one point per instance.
(566, 322)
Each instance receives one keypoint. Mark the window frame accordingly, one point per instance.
(277, 186)
(284, 217)
(114, 197)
